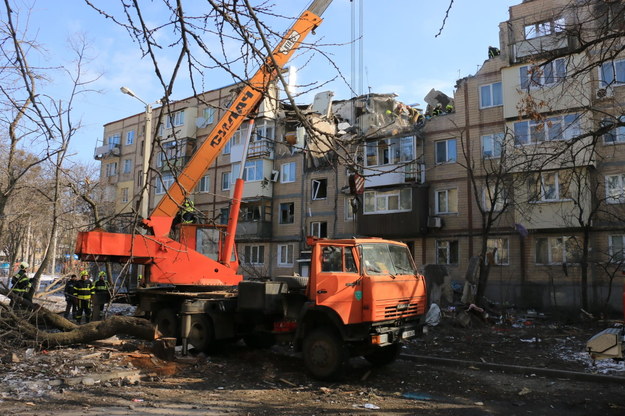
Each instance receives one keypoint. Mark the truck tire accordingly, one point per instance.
(202, 336)
(166, 322)
(383, 355)
(324, 354)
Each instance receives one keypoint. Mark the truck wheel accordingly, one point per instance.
(325, 355)
(383, 355)
(166, 322)
(259, 340)
(202, 336)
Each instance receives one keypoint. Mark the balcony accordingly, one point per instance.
(539, 45)
(253, 230)
(261, 148)
(174, 164)
(105, 151)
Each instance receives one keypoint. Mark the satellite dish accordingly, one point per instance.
(200, 122)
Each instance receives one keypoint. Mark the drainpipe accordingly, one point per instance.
(469, 191)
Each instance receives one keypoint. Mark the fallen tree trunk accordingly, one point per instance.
(26, 320)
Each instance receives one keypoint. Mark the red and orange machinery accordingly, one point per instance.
(363, 296)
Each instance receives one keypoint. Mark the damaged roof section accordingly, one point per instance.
(370, 116)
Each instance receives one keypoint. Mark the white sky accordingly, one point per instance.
(401, 53)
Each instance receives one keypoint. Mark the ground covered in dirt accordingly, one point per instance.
(118, 377)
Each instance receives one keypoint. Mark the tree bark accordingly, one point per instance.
(73, 334)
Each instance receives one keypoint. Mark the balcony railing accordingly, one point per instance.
(107, 150)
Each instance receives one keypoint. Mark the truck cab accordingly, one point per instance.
(362, 298)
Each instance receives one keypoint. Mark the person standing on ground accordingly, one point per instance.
(102, 295)
(83, 290)
(20, 282)
(70, 299)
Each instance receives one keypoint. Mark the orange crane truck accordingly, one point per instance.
(363, 296)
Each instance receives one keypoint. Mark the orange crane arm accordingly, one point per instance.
(246, 102)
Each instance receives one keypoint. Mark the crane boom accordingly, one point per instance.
(246, 102)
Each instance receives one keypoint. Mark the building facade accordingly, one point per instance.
(524, 167)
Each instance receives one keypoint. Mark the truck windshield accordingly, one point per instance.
(387, 259)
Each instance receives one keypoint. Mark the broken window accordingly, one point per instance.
(163, 184)
(556, 250)
(287, 172)
(447, 252)
(287, 213)
(544, 28)
(615, 189)
(390, 151)
(111, 169)
(332, 259)
(319, 189)
(564, 127)
(113, 141)
(319, 229)
(501, 256)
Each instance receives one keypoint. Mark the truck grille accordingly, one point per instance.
(392, 309)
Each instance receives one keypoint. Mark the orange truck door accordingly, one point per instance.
(339, 286)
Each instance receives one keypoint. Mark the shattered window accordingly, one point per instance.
(390, 151)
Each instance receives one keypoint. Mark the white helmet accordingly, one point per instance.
(24, 265)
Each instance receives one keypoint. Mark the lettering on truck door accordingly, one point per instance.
(339, 285)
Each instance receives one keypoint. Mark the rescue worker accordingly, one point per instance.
(70, 300)
(187, 213)
(20, 282)
(102, 295)
(83, 290)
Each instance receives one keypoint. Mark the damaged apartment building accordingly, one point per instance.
(473, 174)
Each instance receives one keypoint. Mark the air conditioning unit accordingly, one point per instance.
(275, 175)
(435, 222)
(604, 92)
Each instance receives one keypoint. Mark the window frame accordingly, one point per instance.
(496, 142)
(175, 120)
(561, 187)
(451, 248)
(542, 75)
(287, 172)
(392, 151)
(446, 192)
(209, 115)
(536, 132)
(319, 189)
(617, 69)
(450, 146)
(130, 137)
(203, 186)
(491, 95)
(544, 28)
(555, 248)
(502, 255)
(319, 229)
(614, 198)
(113, 141)
(256, 256)
(127, 168)
(373, 199)
(226, 181)
(289, 208)
(111, 169)
(163, 183)
(289, 252)
(125, 197)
